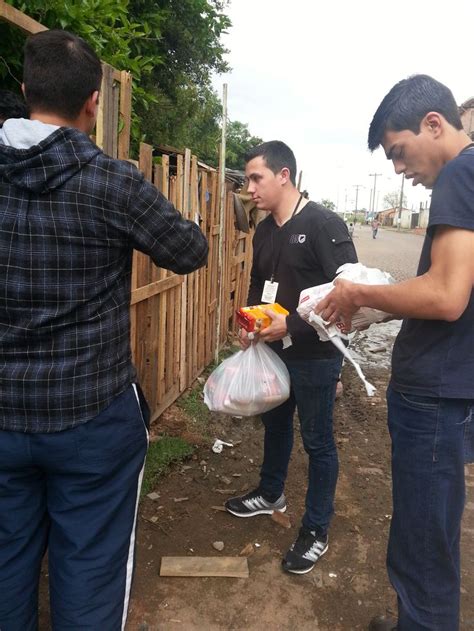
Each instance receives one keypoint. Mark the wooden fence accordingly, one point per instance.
(174, 319)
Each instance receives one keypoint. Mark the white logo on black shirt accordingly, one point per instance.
(297, 238)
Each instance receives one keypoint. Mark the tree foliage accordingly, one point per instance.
(238, 142)
(171, 47)
(327, 203)
(392, 200)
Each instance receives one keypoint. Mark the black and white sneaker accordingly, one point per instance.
(304, 553)
(254, 504)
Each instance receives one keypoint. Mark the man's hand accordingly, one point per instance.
(277, 329)
(244, 339)
(339, 305)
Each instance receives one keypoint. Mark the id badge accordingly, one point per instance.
(269, 291)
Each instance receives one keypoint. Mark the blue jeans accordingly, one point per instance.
(313, 388)
(431, 439)
(75, 493)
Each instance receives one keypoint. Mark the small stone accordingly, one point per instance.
(281, 518)
(226, 480)
(218, 545)
(154, 519)
(153, 496)
(247, 551)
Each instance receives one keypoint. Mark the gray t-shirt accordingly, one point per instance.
(435, 358)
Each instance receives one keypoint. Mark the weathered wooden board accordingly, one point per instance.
(236, 567)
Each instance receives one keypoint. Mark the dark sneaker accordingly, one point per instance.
(382, 623)
(304, 553)
(254, 504)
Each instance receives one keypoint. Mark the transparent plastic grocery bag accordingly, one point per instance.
(250, 382)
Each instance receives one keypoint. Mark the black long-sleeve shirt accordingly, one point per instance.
(304, 252)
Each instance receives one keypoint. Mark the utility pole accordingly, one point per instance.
(375, 176)
(401, 203)
(222, 201)
(357, 187)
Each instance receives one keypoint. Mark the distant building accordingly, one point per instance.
(466, 111)
(389, 217)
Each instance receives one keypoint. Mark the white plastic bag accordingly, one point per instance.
(357, 273)
(364, 317)
(250, 382)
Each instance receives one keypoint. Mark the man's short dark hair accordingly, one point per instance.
(60, 73)
(11, 106)
(277, 156)
(407, 103)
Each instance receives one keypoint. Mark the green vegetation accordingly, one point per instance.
(238, 142)
(192, 403)
(171, 47)
(327, 203)
(160, 455)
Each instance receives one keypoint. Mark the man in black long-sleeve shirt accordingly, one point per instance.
(299, 245)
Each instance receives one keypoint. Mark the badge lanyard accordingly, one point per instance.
(270, 287)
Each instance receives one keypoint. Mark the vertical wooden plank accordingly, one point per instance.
(175, 366)
(186, 185)
(165, 165)
(145, 163)
(115, 94)
(161, 386)
(203, 319)
(183, 193)
(193, 324)
(105, 114)
(125, 115)
(179, 183)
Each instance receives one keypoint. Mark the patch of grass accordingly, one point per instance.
(192, 403)
(170, 449)
(160, 455)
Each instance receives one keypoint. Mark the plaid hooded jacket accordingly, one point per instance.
(70, 218)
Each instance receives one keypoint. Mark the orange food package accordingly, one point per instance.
(254, 319)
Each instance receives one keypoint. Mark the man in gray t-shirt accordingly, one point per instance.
(431, 394)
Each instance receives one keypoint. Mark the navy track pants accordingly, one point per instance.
(74, 493)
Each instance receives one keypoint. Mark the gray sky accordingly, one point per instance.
(312, 74)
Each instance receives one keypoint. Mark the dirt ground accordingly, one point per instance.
(349, 584)
(346, 588)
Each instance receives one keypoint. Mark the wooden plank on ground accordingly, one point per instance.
(235, 567)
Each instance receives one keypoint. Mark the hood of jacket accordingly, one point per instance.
(40, 157)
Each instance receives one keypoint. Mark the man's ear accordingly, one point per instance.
(92, 104)
(285, 175)
(433, 122)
